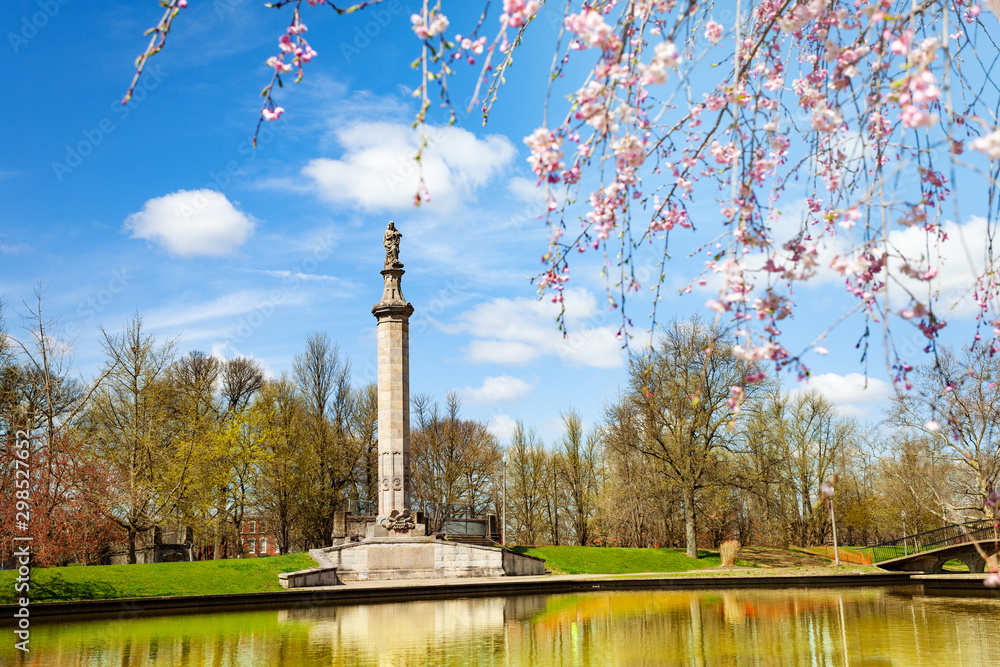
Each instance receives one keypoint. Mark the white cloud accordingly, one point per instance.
(14, 248)
(191, 222)
(526, 191)
(224, 350)
(519, 331)
(502, 426)
(377, 170)
(299, 277)
(226, 306)
(499, 389)
(849, 393)
(961, 258)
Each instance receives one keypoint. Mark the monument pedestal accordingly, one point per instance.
(386, 558)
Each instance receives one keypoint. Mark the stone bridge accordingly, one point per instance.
(932, 560)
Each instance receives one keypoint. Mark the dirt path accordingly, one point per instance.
(772, 557)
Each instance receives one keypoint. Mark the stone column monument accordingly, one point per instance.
(397, 546)
(393, 314)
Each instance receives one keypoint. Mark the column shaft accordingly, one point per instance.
(393, 413)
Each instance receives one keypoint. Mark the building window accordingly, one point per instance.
(263, 545)
(252, 527)
(253, 546)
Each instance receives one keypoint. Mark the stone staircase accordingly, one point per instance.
(478, 540)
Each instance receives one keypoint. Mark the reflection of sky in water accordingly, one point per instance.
(752, 627)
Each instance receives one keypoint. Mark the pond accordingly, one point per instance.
(871, 626)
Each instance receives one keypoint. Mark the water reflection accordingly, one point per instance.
(759, 627)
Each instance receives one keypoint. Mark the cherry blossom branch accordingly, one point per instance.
(156, 42)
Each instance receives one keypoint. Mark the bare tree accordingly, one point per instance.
(365, 428)
(129, 423)
(282, 473)
(242, 377)
(963, 421)
(526, 487)
(579, 462)
(455, 461)
(323, 378)
(678, 408)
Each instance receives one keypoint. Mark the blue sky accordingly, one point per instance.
(161, 207)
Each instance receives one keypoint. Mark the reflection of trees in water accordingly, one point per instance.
(786, 626)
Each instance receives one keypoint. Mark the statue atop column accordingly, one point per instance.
(392, 295)
(391, 243)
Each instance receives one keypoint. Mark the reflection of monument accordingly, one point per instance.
(396, 545)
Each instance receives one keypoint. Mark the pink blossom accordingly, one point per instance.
(591, 29)
(546, 154)
(438, 24)
(713, 31)
(305, 54)
(274, 114)
(517, 12)
(665, 58)
(988, 144)
(629, 153)
(795, 20)
(279, 64)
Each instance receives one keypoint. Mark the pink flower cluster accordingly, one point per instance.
(592, 31)
(546, 154)
(517, 12)
(988, 144)
(665, 58)
(920, 88)
(604, 205)
(713, 31)
(293, 45)
(426, 27)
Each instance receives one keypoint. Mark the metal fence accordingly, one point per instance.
(959, 533)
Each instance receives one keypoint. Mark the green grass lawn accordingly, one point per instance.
(613, 560)
(106, 582)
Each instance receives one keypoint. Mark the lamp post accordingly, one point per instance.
(904, 533)
(827, 489)
(503, 508)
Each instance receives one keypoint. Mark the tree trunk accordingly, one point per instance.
(690, 523)
(217, 553)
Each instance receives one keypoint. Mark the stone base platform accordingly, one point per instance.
(386, 558)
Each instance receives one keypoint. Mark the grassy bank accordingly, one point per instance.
(612, 560)
(108, 582)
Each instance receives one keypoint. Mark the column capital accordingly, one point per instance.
(392, 302)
